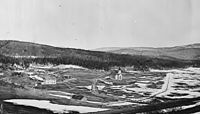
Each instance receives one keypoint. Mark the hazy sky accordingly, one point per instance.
(92, 24)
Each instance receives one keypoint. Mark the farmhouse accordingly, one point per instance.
(67, 76)
(116, 74)
(49, 80)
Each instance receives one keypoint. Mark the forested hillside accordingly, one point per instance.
(20, 52)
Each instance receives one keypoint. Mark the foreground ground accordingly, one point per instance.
(167, 90)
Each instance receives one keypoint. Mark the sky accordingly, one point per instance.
(90, 24)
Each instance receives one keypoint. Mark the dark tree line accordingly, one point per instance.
(105, 61)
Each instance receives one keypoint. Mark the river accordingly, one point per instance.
(10, 108)
(45, 106)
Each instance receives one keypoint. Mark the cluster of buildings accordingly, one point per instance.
(41, 76)
(48, 79)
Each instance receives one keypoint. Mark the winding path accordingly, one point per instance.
(165, 85)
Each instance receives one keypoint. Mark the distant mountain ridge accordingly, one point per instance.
(185, 52)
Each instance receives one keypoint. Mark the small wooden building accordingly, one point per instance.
(49, 80)
(67, 76)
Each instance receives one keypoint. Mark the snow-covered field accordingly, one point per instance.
(139, 88)
(69, 66)
(183, 84)
(62, 66)
(178, 83)
(187, 70)
(44, 104)
(36, 77)
(61, 96)
(120, 103)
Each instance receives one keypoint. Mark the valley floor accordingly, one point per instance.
(168, 90)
